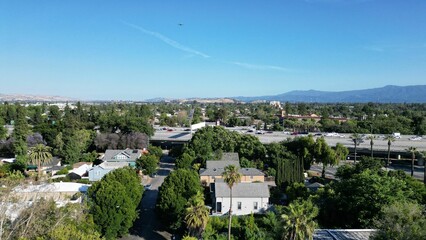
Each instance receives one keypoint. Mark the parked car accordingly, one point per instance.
(417, 138)
(148, 187)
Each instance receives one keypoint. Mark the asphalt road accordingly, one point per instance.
(148, 225)
(331, 171)
(178, 134)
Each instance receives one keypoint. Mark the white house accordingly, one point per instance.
(247, 198)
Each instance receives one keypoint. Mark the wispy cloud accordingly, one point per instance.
(261, 67)
(167, 40)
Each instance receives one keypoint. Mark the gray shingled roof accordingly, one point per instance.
(113, 165)
(343, 234)
(130, 155)
(230, 156)
(242, 190)
(221, 163)
(219, 171)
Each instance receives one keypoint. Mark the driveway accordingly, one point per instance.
(148, 226)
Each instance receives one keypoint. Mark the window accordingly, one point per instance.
(255, 206)
(239, 205)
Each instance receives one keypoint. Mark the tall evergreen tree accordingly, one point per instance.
(20, 132)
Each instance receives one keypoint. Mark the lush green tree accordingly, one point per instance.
(250, 230)
(231, 176)
(324, 154)
(356, 201)
(40, 154)
(157, 151)
(272, 225)
(3, 131)
(299, 223)
(20, 131)
(303, 148)
(412, 151)
(402, 221)
(390, 139)
(148, 163)
(289, 170)
(196, 215)
(341, 152)
(114, 200)
(297, 191)
(174, 193)
(184, 161)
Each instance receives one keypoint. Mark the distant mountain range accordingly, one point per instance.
(387, 94)
(33, 98)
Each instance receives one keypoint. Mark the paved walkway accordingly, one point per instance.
(148, 225)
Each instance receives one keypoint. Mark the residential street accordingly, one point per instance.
(148, 225)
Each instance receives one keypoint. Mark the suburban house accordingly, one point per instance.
(215, 168)
(97, 172)
(247, 198)
(80, 170)
(128, 156)
(209, 175)
(51, 167)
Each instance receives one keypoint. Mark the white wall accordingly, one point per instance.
(198, 126)
(247, 205)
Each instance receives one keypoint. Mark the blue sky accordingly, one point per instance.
(135, 50)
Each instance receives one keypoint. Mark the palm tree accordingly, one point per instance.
(231, 176)
(40, 154)
(299, 220)
(356, 138)
(197, 215)
(413, 152)
(371, 137)
(390, 139)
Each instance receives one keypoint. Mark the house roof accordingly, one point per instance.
(242, 190)
(77, 165)
(53, 187)
(315, 185)
(113, 165)
(251, 172)
(230, 156)
(343, 234)
(54, 162)
(126, 155)
(221, 163)
(219, 172)
(82, 169)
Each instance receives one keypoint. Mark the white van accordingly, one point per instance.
(396, 135)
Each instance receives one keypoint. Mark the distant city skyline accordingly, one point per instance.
(138, 50)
